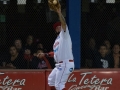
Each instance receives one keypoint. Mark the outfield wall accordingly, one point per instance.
(84, 79)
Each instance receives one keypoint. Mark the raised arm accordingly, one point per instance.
(62, 19)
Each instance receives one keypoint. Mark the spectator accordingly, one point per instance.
(90, 53)
(28, 57)
(50, 56)
(1, 59)
(40, 46)
(116, 55)
(15, 60)
(103, 60)
(29, 43)
(18, 44)
(108, 44)
(40, 62)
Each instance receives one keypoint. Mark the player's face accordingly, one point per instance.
(116, 49)
(58, 29)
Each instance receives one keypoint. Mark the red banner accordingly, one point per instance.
(87, 79)
(47, 74)
(104, 79)
(22, 80)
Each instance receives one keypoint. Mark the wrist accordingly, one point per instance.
(59, 13)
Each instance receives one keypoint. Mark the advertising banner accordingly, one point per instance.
(84, 79)
(97, 79)
(22, 80)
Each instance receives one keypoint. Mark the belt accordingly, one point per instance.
(69, 61)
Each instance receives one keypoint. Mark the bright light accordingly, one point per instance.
(39, 1)
(5, 1)
(92, 1)
(19, 2)
(110, 1)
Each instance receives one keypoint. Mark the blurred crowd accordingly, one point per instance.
(25, 56)
(104, 55)
(19, 56)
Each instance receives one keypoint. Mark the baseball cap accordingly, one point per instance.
(56, 24)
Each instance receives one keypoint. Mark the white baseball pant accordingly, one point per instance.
(59, 75)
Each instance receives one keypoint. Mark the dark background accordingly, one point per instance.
(100, 20)
(21, 20)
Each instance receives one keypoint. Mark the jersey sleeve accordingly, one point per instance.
(64, 34)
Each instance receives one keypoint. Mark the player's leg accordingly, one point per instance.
(51, 79)
(62, 75)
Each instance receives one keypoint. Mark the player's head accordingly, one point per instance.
(57, 27)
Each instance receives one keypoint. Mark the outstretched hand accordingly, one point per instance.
(54, 7)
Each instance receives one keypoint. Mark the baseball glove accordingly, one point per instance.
(54, 6)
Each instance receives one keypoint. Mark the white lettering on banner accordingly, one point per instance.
(93, 83)
(8, 84)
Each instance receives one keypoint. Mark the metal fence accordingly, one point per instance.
(100, 28)
(28, 23)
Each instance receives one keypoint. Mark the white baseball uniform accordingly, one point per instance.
(64, 58)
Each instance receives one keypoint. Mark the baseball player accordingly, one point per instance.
(62, 54)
